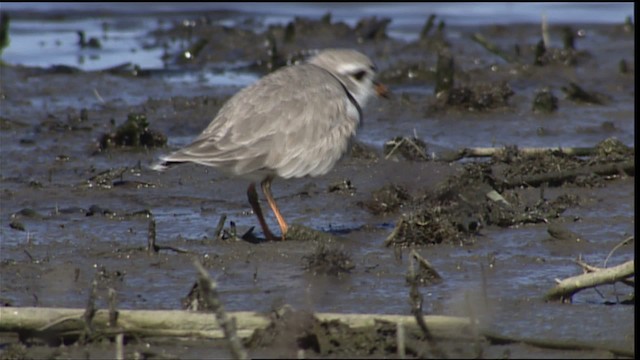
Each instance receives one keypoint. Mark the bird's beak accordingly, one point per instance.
(381, 90)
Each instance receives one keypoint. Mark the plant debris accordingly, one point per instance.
(133, 133)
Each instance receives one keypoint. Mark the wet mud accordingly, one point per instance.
(80, 204)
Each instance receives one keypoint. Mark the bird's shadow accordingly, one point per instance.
(297, 232)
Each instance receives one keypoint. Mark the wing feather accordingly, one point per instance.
(293, 122)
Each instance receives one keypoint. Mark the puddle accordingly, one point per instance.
(59, 41)
(213, 78)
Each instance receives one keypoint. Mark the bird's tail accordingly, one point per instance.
(159, 166)
(162, 164)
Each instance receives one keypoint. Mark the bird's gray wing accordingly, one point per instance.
(294, 122)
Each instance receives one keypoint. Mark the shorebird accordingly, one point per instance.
(297, 121)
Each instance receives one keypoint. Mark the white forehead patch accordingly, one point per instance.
(349, 68)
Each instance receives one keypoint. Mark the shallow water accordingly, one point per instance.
(122, 28)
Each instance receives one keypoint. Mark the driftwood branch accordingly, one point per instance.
(180, 323)
(27, 321)
(590, 269)
(561, 176)
(569, 286)
(551, 178)
(493, 151)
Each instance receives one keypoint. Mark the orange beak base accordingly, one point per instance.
(381, 90)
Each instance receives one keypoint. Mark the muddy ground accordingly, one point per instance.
(78, 197)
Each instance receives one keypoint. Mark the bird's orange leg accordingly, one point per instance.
(266, 189)
(252, 195)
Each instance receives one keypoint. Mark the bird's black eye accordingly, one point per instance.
(359, 75)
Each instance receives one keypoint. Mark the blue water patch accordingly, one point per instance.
(47, 42)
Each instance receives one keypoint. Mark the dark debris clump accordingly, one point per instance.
(612, 149)
(288, 329)
(342, 186)
(478, 97)
(556, 168)
(424, 226)
(387, 199)
(75, 122)
(566, 57)
(372, 28)
(490, 193)
(520, 164)
(406, 72)
(545, 102)
(328, 260)
(133, 133)
(359, 150)
(577, 94)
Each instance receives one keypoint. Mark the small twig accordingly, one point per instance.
(97, 94)
(151, 237)
(492, 47)
(394, 233)
(232, 230)
(425, 266)
(220, 226)
(586, 267)
(397, 145)
(210, 293)
(622, 243)
(113, 313)
(153, 248)
(28, 255)
(416, 299)
(418, 149)
(89, 313)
